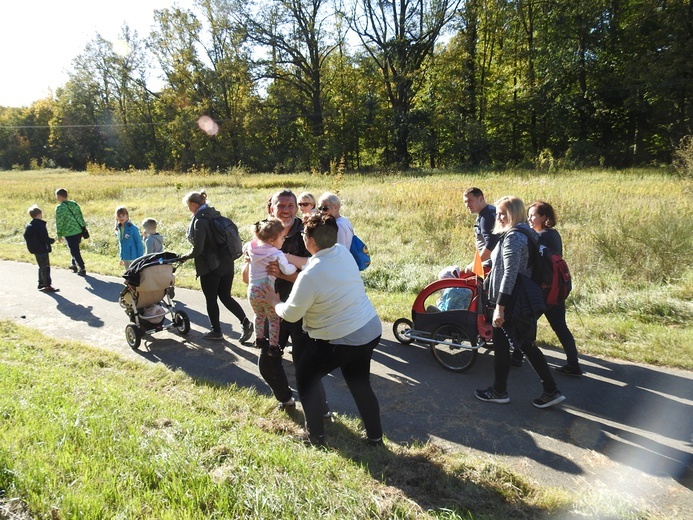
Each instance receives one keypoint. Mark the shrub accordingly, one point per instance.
(683, 157)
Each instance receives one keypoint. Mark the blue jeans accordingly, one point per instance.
(73, 244)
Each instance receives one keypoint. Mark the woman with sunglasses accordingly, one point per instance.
(329, 204)
(306, 203)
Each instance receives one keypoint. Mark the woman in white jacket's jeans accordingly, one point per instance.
(340, 323)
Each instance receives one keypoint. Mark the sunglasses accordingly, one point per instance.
(304, 204)
(323, 208)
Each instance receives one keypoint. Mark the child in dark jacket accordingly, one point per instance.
(39, 244)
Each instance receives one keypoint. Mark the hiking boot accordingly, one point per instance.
(549, 399)
(570, 370)
(213, 334)
(247, 331)
(491, 396)
(82, 272)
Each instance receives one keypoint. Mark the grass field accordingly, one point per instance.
(627, 237)
(86, 434)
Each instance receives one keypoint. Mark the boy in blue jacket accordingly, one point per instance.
(129, 240)
(39, 244)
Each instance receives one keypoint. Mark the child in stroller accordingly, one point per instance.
(148, 297)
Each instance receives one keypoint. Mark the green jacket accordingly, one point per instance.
(68, 219)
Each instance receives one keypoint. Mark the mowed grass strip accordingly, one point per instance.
(85, 434)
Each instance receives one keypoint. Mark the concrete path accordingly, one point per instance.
(624, 430)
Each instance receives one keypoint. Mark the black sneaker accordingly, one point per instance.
(82, 272)
(516, 363)
(213, 334)
(570, 370)
(247, 331)
(374, 443)
(49, 289)
(289, 406)
(549, 399)
(491, 396)
(73, 268)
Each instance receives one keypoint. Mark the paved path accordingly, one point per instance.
(625, 429)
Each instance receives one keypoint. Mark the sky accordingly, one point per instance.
(40, 38)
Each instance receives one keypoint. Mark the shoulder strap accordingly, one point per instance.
(533, 244)
(72, 213)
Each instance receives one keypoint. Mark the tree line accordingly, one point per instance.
(287, 85)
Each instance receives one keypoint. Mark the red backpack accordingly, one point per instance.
(549, 270)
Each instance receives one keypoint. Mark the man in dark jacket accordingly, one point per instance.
(39, 244)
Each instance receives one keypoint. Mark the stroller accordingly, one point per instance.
(148, 298)
(450, 315)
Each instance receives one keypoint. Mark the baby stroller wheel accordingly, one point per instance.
(133, 335)
(453, 348)
(181, 322)
(399, 327)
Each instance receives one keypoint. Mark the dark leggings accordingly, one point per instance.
(217, 284)
(555, 315)
(73, 244)
(503, 337)
(319, 359)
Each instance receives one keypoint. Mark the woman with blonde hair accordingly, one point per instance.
(510, 258)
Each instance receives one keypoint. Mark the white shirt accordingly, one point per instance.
(345, 234)
(329, 295)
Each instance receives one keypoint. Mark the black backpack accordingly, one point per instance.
(227, 237)
(549, 270)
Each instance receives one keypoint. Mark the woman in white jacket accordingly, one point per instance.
(341, 327)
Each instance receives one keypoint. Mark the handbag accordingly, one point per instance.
(359, 251)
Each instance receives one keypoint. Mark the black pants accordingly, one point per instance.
(318, 359)
(272, 368)
(521, 336)
(73, 244)
(44, 270)
(555, 315)
(217, 284)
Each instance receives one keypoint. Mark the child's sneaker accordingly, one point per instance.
(491, 396)
(549, 399)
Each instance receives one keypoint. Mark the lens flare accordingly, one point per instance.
(208, 125)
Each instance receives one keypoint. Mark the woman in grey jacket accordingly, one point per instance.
(213, 267)
(510, 258)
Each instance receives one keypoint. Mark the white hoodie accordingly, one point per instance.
(261, 254)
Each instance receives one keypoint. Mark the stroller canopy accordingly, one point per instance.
(132, 275)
